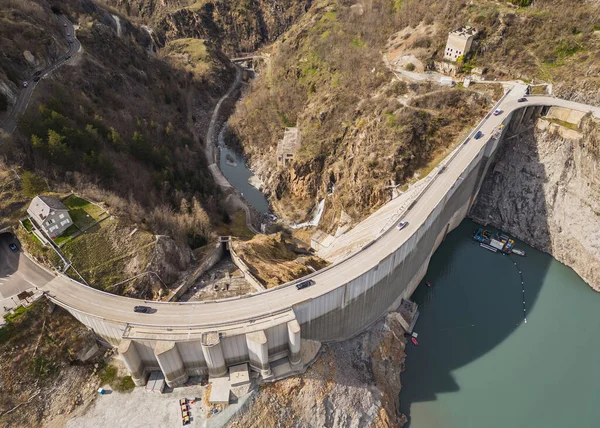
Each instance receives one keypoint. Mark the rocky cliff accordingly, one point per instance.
(237, 26)
(545, 190)
(352, 384)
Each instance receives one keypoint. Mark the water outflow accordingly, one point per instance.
(478, 364)
(118, 22)
(314, 221)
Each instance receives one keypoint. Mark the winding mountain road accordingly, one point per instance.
(201, 315)
(10, 121)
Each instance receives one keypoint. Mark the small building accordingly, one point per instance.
(459, 42)
(50, 215)
(288, 146)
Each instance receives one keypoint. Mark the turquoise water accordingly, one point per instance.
(238, 176)
(479, 365)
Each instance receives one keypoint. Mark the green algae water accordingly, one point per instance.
(478, 364)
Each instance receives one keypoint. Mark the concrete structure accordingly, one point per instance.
(279, 324)
(459, 42)
(288, 146)
(50, 215)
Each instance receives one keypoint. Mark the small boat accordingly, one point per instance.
(428, 284)
(414, 341)
(518, 252)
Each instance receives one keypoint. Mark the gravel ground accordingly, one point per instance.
(142, 409)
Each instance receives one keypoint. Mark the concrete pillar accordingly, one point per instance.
(520, 114)
(213, 354)
(170, 363)
(258, 350)
(131, 359)
(527, 116)
(294, 342)
(515, 120)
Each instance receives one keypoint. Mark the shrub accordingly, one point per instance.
(409, 67)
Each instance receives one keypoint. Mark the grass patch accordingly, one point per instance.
(67, 235)
(27, 225)
(237, 227)
(109, 375)
(103, 253)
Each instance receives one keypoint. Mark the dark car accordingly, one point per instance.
(68, 56)
(36, 79)
(305, 284)
(142, 309)
(13, 247)
(37, 73)
(522, 100)
(402, 225)
(478, 135)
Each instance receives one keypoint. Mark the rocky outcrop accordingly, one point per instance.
(237, 26)
(545, 190)
(353, 384)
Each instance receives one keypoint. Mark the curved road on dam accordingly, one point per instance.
(246, 310)
(10, 122)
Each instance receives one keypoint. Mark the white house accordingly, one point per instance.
(50, 215)
(459, 42)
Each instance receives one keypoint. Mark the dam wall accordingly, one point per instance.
(343, 312)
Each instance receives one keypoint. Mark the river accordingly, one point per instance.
(238, 173)
(479, 365)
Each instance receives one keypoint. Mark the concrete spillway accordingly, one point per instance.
(284, 323)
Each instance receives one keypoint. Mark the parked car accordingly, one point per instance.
(402, 225)
(25, 84)
(305, 284)
(36, 79)
(37, 73)
(497, 112)
(68, 56)
(13, 247)
(142, 309)
(478, 135)
(65, 24)
(522, 100)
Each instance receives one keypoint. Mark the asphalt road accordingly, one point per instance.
(119, 309)
(17, 272)
(10, 122)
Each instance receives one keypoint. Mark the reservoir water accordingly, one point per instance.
(479, 365)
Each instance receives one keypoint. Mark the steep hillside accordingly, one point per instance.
(115, 123)
(360, 133)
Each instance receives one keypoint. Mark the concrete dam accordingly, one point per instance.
(283, 326)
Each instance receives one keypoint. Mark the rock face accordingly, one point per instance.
(545, 190)
(353, 384)
(237, 26)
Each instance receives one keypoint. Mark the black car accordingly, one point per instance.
(37, 73)
(13, 247)
(36, 79)
(68, 56)
(521, 100)
(142, 309)
(305, 284)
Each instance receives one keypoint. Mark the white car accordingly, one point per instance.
(402, 225)
(497, 112)
(25, 84)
